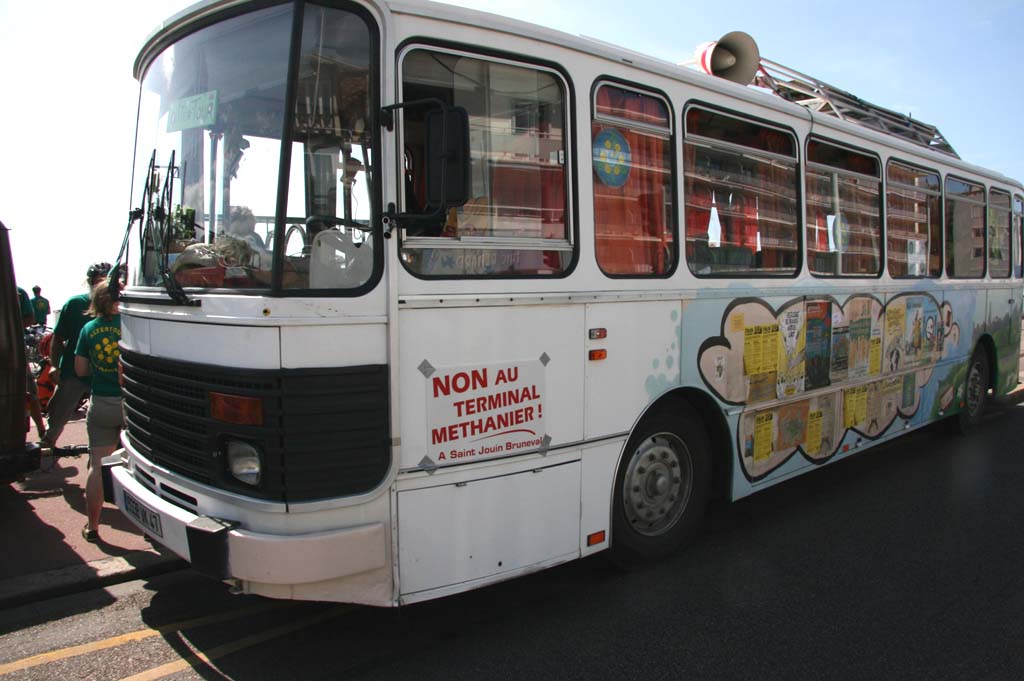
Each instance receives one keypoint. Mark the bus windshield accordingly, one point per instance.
(209, 151)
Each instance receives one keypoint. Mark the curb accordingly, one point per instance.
(64, 581)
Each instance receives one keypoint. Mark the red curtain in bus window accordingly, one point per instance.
(633, 235)
(820, 231)
(531, 198)
(552, 200)
(741, 229)
(516, 197)
(778, 239)
(820, 227)
(698, 195)
(528, 201)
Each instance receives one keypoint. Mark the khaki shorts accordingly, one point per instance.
(104, 421)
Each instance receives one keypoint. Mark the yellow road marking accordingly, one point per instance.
(131, 636)
(233, 647)
(64, 653)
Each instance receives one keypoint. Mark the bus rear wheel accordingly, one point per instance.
(661, 488)
(975, 392)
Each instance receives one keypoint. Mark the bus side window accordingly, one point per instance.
(913, 221)
(965, 229)
(634, 225)
(741, 206)
(515, 222)
(843, 186)
(999, 229)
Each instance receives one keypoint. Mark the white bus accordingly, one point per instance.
(423, 298)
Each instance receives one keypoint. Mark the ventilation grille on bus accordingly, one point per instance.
(325, 431)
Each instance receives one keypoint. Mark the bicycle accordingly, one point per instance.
(34, 352)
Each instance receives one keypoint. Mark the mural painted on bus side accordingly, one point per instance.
(665, 370)
(880, 356)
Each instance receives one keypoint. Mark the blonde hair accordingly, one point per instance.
(101, 302)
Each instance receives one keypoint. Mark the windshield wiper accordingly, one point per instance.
(151, 215)
(175, 291)
(158, 217)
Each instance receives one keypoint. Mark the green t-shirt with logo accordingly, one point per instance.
(72, 319)
(41, 308)
(100, 341)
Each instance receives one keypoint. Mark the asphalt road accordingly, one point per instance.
(906, 562)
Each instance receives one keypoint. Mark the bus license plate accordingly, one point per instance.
(148, 519)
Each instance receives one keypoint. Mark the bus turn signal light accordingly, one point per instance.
(244, 411)
(596, 355)
(598, 334)
(595, 538)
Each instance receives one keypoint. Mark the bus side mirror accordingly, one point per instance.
(447, 158)
(446, 165)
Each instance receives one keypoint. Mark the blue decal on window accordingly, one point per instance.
(612, 157)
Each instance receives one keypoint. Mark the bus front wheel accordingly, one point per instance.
(975, 392)
(661, 488)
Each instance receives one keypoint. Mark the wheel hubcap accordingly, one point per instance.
(657, 484)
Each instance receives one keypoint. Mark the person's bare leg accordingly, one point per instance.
(94, 485)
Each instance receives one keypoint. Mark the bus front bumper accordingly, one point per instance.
(223, 550)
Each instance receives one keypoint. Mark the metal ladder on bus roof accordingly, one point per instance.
(819, 96)
(741, 59)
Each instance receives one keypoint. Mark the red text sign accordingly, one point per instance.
(485, 411)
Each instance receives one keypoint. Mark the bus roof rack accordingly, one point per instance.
(736, 57)
(819, 96)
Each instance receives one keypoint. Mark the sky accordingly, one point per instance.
(69, 99)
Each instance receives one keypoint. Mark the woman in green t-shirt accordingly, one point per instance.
(96, 356)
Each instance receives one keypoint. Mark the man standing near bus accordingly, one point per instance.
(70, 387)
(40, 306)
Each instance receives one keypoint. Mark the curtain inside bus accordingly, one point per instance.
(633, 214)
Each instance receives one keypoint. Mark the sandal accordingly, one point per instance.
(91, 536)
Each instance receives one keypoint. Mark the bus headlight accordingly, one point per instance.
(244, 462)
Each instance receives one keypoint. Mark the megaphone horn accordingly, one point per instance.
(734, 57)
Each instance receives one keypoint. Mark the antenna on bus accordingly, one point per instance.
(736, 57)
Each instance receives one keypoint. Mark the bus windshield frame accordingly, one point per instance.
(241, 191)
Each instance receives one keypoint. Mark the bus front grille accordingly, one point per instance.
(325, 432)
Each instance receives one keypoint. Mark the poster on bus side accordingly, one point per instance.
(485, 411)
(791, 363)
(818, 350)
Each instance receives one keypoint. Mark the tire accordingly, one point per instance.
(661, 487)
(975, 392)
